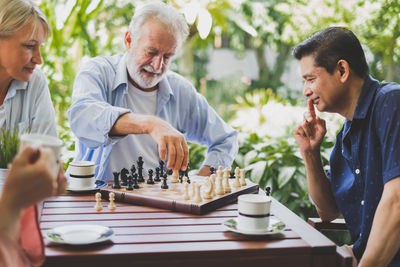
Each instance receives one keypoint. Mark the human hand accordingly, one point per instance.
(31, 179)
(170, 142)
(311, 132)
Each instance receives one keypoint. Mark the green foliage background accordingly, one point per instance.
(92, 28)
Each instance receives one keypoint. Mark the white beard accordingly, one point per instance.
(141, 80)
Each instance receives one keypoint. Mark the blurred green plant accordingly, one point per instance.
(9, 145)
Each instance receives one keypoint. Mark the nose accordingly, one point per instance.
(157, 62)
(37, 57)
(307, 92)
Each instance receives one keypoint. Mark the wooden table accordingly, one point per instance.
(153, 237)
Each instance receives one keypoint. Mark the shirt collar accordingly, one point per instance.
(366, 97)
(14, 86)
(121, 75)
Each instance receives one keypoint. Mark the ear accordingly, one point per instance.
(128, 40)
(343, 70)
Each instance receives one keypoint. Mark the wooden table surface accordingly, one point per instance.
(153, 237)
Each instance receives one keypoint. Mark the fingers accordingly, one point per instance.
(162, 150)
(185, 157)
(311, 109)
(28, 155)
(61, 181)
(171, 156)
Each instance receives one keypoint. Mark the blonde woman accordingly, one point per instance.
(24, 95)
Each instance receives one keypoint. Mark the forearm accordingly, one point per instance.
(383, 241)
(9, 221)
(130, 123)
(319, 187)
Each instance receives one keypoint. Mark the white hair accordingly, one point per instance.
(15, 14)
(167, 15)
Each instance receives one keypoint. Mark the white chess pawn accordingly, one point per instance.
(227, 172)
(186, 189)
(198, 198)
(175, 177)
(98, 206)
(220, 171)
(236, 184)
(242, 177)
(193, 190)
(212, 179)
(111, 206)
(220, 187)
(227, 186)
(208, 188)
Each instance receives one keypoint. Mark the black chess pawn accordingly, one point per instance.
(124, 177)
(268, 190)
(181, 174)
(212, 170)
(157, 178)
(133, 169)
(150, 179)
(164, 183)
(130, 184)
(116, 184)
(140, 170)
(161, 168)
(135, 181)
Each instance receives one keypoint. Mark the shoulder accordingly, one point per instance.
(102, 64)
(178, 83)
(388, 93)
(37, 77)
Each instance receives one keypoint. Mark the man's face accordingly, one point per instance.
(323, 88)
(148, 57)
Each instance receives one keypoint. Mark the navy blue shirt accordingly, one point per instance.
(366, 156)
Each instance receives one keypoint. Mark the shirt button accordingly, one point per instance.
(357, 171)
(362, 202)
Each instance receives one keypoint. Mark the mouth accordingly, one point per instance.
(29, 69)
(315, 101)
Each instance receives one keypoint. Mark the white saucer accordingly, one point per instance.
(79, 234)
(98, 184)
(274, 228)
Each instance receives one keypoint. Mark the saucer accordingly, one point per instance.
(275, 227)
(97, 185)
(79, 234)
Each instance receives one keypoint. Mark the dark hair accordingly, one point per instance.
(331, 45)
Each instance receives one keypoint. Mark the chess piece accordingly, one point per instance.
(242, 177)
(98, 206)
(140, 170)
(129, 187)
(124, 177)
(236, 184)
(150, 179)
(212, 179)
(186, 173)
(175, 176)
(116, 184)
(135, 181)
(185, 189)
(212, 170)
(198, 198)
(161, 168)
(220, 171)
(111, 197)
(268, 191)
(164, 184)
(157, 178)
(220, 187)
(227, 186)
(193, 194)
(208, 188)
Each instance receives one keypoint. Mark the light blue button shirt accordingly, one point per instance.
(28, 106)
(97, 102)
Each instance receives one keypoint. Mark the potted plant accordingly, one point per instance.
(9, 145)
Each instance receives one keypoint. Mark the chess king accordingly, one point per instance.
(130, 105)
(363, 183)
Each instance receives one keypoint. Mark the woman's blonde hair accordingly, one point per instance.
(15, 14)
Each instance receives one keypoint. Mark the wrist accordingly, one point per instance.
(9, 222)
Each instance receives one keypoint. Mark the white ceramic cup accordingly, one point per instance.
(254, 212)
(81, 174)
(37, 140)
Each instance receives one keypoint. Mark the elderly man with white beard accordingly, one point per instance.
(129, 105)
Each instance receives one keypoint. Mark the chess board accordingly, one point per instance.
(173, 197)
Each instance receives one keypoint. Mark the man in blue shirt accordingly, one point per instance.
(363, 182)
(129, 106)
